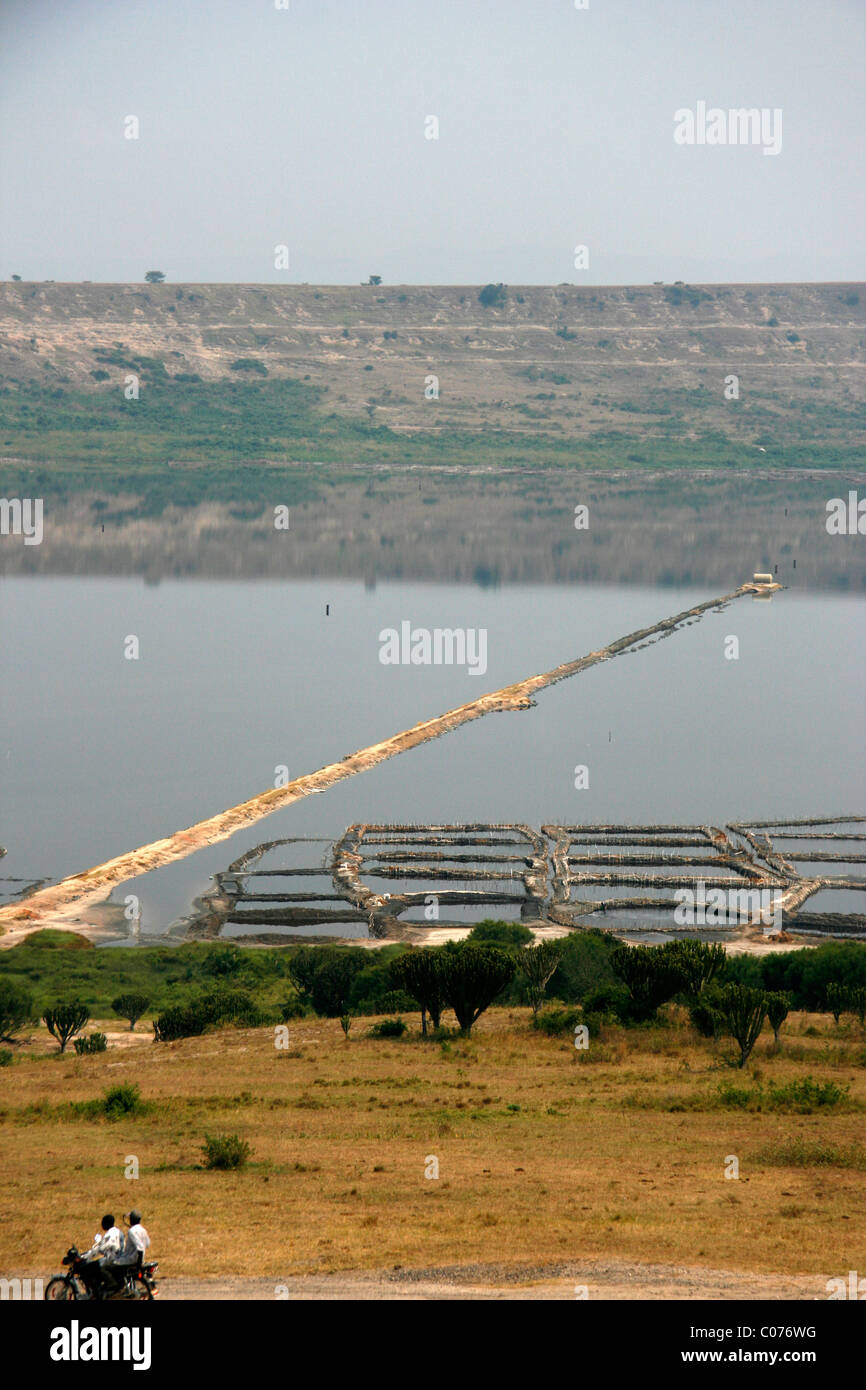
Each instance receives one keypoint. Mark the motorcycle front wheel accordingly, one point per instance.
(62, 1288)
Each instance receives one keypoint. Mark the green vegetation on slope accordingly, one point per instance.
(248, 433)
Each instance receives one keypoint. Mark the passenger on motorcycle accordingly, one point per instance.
(137, 1241)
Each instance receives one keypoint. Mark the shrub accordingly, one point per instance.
(610, 1001)
(538, 964)
(732, 1097)
(837, 999)
(248, 364)
(64, 1020)
(553, 1022)
(419, 972)
(302, 969)
(16, 1008)
(805, 1095)
(225, 1151)
(222, 961)
(119, 1101)
(178, 1022)
(803, 1153)
(472, 977)
(96, 1042)
(744, 1011)
(131, 1007)
(584, 966)
(230, 1006)
(215, 1009)
(333, 980)
(500, 933)
(393, 1001)
(698, 963)
(6, 1057)
(706, 1018)
(778, 1005)
(650, 975)
(493, 295)
(387, 1028)
(293, 1008)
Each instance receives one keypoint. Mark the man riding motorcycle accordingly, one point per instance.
(106, 1244)
(117, 1264)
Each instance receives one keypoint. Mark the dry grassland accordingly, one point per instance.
(545, 1154)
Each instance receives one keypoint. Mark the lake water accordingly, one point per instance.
(235, 678)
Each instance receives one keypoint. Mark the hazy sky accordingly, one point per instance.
(305, 127)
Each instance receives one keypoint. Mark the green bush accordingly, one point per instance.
(805, 1095)
(130, 1006)
(611, 1002)
(333, 981)
(731, 1097)
(119, 1101)
(95, 1042)
(16, 1008)
(536, 965)
(744, 1011)
(553, 1022)
(706, 1019)
(804, 975)
(179, 1022)
(248, 364)
(225, 1151)
(584, 966)
(216, 1009)
(698, 962)
(491, 296)
(65, 1020)
(418, 972)
(293, 1008)
(6, 1057)
(500, 933)
(231, 1006)
(651, 975)
(804, 1153)
(387, 1028)
(472, 977)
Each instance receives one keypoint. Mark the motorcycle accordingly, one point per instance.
(139, 1281)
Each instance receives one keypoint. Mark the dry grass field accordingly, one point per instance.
(546, 1155)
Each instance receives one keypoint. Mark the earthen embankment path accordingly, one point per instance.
(62, 902)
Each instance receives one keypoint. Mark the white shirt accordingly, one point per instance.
(106, 1244)
(137, 1241)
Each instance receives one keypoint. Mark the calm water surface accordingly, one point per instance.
(100, 754)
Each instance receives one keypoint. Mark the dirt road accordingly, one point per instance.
(591, 1279)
